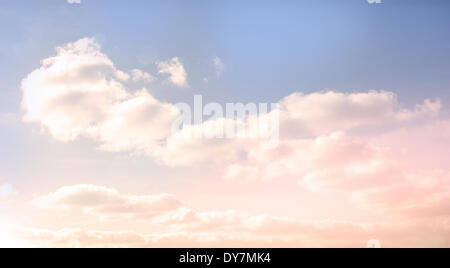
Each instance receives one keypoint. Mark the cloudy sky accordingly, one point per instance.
(88, 92)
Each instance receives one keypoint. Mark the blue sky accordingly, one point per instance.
(270, 48)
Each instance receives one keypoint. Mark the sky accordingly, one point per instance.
(88, 94)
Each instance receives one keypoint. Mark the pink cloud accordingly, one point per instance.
(105, 202)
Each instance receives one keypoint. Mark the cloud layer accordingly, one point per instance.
(181, 226)
(80, 93)
(104, 202)
(365, 146)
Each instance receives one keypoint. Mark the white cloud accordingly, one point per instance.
(170, 212)
(403, 172)
(139, 124)
(302, 117)
(175, 69)
(107, 203)
(172, 224)
(79, 93)
(177, 224)
(74, 1)
(315, 162)
(307, 234)
(186, 219)
(322, 113)
(73, 91)
(233, 229)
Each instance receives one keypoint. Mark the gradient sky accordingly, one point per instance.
(268, 51)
